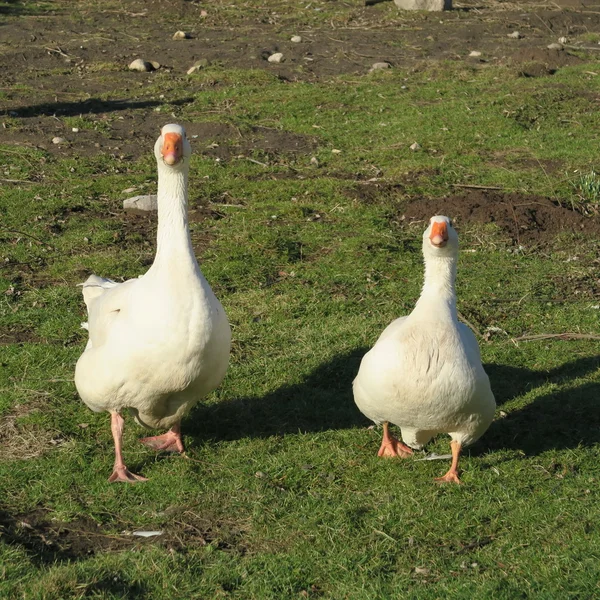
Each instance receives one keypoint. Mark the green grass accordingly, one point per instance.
(282, 495)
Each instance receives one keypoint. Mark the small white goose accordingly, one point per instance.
(159, 343)
(424, 373)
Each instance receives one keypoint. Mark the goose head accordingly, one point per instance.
(172, 148)
(440, 238)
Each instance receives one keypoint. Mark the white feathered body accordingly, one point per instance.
(159, 343)
(427, 378)
(155, 349)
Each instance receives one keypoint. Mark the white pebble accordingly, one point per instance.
(475, 53)
(181, 35)
(416, 146)
(296, 39)
(75, 129)
(58, 140)
(380, 66)
(515, 35)
(276, 58)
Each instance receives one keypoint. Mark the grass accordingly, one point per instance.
(281, 495)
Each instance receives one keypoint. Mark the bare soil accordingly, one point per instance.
(48, 540)
(525, 220)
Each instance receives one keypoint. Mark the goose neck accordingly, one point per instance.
(438, 297)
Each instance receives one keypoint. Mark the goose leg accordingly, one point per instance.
(391, 447)
(120, 471)
(168, 442)
(452, 474)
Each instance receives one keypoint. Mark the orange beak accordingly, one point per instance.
(439, 234)
(172, 149)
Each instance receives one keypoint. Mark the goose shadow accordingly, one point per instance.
(324, 400)
(567, 418)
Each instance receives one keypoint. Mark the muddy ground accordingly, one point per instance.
(76, 59)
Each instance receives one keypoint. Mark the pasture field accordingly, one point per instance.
(307, 207)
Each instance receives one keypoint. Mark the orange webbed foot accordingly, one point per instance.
(449, 477)
(167, 442)
(393, 448)
(125, 475)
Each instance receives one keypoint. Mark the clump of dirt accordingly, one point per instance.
(537, 62)
(524, 219)
(17, 335)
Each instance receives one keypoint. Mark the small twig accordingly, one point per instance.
(470, 325)
(477, 187)
(385, 535)
(16, 180)
(556, 336)
(256, 162)
(29, 236)
(57, 50)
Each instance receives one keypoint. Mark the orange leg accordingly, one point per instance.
(452, 474)
(391, 447)
(120, 471)
(168, 442)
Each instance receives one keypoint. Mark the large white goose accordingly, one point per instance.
(424, 373)
(159, 343)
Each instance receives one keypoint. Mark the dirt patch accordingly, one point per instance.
(17, 335)
(75, 69)
(24, 441)
(49, 541)
(526, 220)
(537, 62)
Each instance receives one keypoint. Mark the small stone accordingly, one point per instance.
(415, 147)
(555, 46)
(296, 39)
(276, 58)
(563, 40)
(141, 65)
(378, 66)
(431, 5)
(515, 35)
(58, 140)
(336, 151)
(314, 161)
(181, 35)
(475, 53)
(75, 129)
(199, 64)
(141, 204)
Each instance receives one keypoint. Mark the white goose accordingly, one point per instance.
(424, 373)
(159, 343)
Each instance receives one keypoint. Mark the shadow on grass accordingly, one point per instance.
(19, 8)
(322, 401)
(564, 419)
(90, 106)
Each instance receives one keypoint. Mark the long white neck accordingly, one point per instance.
(173, 243)
(438, 297)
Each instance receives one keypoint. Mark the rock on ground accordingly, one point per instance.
(141, 203)
(431, 5)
